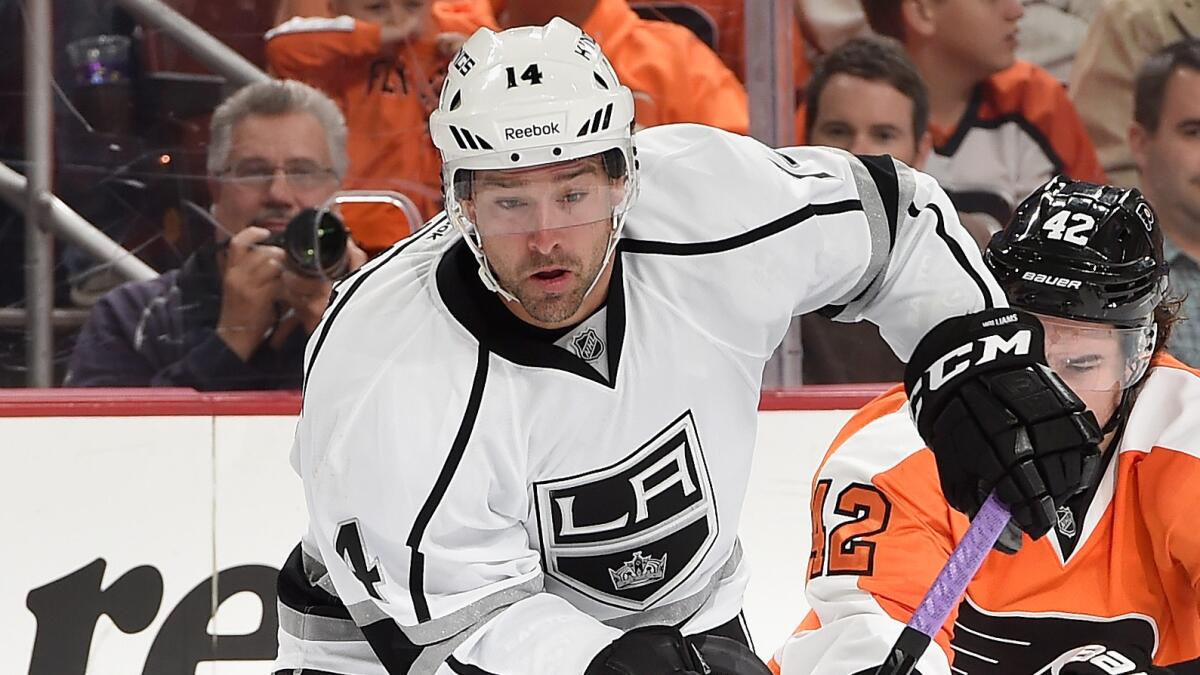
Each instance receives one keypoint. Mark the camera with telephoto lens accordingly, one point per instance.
(315, 243)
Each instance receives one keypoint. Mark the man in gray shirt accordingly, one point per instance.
(1165, 141)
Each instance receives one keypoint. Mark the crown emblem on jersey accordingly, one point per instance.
(640, 571)
(588, 346)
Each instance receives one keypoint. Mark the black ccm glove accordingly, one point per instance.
(662, 650)
(997, 418)
(1105, 660)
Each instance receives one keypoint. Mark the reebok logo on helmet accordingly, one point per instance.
(531, 131)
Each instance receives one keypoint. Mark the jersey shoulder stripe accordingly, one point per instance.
(885, 201)
(1160, 417)
(737, 241)
(890, 402)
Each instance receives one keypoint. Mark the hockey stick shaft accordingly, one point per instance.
(944, 595)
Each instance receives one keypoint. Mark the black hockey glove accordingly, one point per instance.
(726, 656)
(649, 650)
(662, 650)
(1105, 660)
(997, 418)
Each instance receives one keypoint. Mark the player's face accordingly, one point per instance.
(545, 232)
(408, 15)
(1169, 159)
(1090, 359)
(277, 165)
(866, 117)
(981, 34)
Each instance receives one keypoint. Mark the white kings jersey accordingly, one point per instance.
(487, 497)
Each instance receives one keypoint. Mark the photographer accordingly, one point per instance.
(237, 314)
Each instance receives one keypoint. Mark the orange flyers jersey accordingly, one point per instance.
(1019, 130)
(882, 531)
(386, 98)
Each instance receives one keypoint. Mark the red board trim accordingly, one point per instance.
(185, 402)
(143, 403)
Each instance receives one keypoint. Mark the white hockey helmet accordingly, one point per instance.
(528, 97)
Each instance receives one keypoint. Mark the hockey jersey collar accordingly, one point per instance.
(481, 313)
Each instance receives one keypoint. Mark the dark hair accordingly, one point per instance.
(885, 17)
(877, 60)
(1150, 87)
(1166, 315)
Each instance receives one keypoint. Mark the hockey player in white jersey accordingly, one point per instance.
(527, 429)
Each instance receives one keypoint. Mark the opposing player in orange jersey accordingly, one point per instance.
(1115, 586)
(383, 63)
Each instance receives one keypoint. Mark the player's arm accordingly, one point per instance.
(809, 229)
(924, 266)
(995, 416)
(881, 533)
(318, 49)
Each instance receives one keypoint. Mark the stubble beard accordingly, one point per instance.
(553, 308)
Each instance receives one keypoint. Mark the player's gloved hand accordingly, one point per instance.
(1104, 660)
(726, 656)
(649, 650)
(997, 418)
(662, 650)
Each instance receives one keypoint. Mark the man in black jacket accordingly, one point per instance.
(234, 316)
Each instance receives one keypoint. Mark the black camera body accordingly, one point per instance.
(315, 241)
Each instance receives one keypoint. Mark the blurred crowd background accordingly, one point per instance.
(171, 161)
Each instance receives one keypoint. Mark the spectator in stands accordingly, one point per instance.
(1121, 36)
(1001, 127)
(868, 98)
(1165, 143)
(382, 63)
(721, 24)
(674, 76)
(1050, 31)
(865, 97)
(234, 316)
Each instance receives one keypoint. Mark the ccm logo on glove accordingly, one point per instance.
(977, 352)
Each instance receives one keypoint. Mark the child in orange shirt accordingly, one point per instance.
(382, 62)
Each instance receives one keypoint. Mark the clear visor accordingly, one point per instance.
(1095, 357)
(551, 197)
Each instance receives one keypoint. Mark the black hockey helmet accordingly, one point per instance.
(1082, 251)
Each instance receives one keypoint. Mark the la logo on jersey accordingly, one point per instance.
(628, 534)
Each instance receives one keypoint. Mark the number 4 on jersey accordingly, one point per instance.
(850, 547)
(349, 547)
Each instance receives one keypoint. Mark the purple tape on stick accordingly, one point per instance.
(964, 562)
